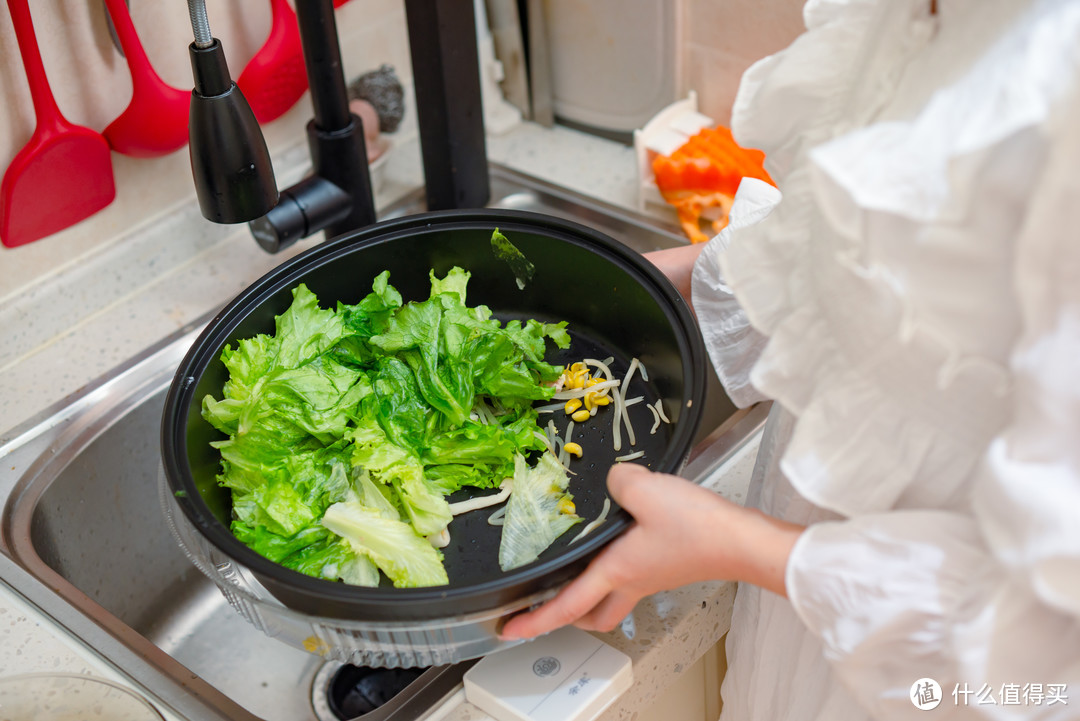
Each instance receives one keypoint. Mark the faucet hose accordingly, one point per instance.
(200, 25)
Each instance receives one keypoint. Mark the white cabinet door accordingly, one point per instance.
(695, 695)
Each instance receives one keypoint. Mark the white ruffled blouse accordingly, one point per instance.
(913, 304)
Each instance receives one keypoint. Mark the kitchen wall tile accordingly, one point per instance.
(749, 29)
(373, 32)
(715, 76)
(721, 38)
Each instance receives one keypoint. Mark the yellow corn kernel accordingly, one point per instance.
(573, 449)
(572, 405)
(597, 399)
(580, 416)
(566, 506)
(589, 405)
(574, 380)
(579, 366)
(593, 381)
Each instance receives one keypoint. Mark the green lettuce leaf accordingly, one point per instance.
(424, 504)
(376, 497)
(380, 409)
(305, 330)
(333, 560)
(507, 252)
(454, 284)
(407, 559)
(539, 511)
(419, 500)
(320, 397)
(276, 506)
(275, 546)
(451, 477)
(416, 336)
(372, 314)
(398, 404)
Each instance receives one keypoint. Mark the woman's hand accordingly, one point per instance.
(682, 534)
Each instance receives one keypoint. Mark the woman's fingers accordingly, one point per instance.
(682, 534)
(571, 603)
(609, 613)
(632, 486)
(583, 594)
(673, 542)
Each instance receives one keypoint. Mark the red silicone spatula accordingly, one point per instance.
(155, 122)
(275, 77)
(64, 173)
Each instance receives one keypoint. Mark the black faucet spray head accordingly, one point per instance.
(234, 179)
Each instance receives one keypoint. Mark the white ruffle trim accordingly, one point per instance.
(732, 343)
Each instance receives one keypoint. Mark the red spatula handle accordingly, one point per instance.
(129, 39)
(45, 107)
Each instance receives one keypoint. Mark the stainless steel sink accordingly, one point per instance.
(84, 538)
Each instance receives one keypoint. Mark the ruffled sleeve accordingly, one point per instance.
(733, 345)
(985, 601)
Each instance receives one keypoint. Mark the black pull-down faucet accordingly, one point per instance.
(234, 178)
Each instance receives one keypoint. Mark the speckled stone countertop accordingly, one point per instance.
(70, 326)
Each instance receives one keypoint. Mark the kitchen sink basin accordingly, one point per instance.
(85, 540)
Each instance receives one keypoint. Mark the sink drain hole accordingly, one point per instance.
(354, 691)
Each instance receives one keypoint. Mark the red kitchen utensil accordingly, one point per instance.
(275, 77)
(155, 122)
(64, 173)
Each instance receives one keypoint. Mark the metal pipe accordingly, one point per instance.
(337, 198)
(322, 58)
(449, 108)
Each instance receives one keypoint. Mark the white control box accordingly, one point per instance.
(568, 675)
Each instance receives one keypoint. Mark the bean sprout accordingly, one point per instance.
(479, 502)
(580, 392)
(440, 539)
(660, 409)
(593, 524)
(498, 517)
(656, 421)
